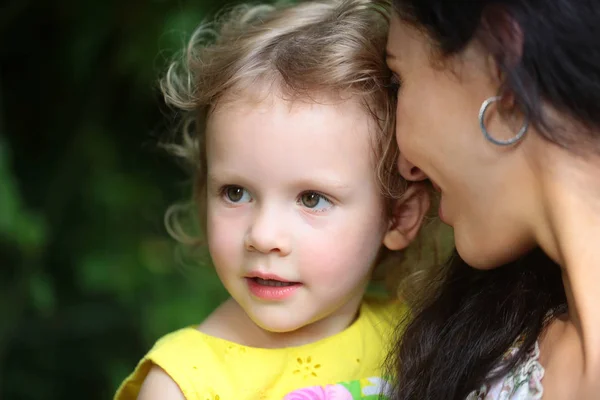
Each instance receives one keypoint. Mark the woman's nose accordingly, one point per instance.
(409, 171)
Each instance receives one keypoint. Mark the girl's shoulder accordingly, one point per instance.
(522, 382)
(385, 308)
(174, 353)
(383, 312)
(199, 364)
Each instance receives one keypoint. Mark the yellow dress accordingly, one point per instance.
(347, 365)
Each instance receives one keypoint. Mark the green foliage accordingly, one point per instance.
(88, 277)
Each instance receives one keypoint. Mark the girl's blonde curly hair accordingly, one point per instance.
(304, 50)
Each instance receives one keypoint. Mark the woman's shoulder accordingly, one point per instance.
(522, 382)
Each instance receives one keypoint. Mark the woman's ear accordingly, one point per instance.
(407, 216)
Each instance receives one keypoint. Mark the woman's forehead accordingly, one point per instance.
(404, 41)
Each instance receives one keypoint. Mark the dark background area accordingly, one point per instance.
(88, 278)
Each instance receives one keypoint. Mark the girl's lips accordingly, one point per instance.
(271, 277)
(271, 289)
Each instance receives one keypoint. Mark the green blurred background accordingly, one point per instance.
(88, 278)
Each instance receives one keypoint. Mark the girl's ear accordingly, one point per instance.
(406, 217)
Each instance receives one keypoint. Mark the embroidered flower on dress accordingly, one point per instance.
(306, 367)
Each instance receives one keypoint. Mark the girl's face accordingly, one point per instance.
(486, 190)
(295, 218)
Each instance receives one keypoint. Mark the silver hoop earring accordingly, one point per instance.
(489, 137)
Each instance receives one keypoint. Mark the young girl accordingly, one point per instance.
(292, 149)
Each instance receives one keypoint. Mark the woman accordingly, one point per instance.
(499, 106)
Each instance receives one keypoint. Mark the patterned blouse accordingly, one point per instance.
(522, 382)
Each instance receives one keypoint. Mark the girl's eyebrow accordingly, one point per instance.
(320, 182)
(323, 182)
(220, 177)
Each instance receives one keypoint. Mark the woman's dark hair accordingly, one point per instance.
(457, 336)
(549, 51)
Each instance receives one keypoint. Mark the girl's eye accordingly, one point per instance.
(236, 194)
(315, 201)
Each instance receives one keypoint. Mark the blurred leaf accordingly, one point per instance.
(23, 228)
(42, 294)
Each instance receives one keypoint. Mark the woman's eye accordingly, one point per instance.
(236, 194)
(395, 82)
(315, 201)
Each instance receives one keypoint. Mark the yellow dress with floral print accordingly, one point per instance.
(347, 365)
